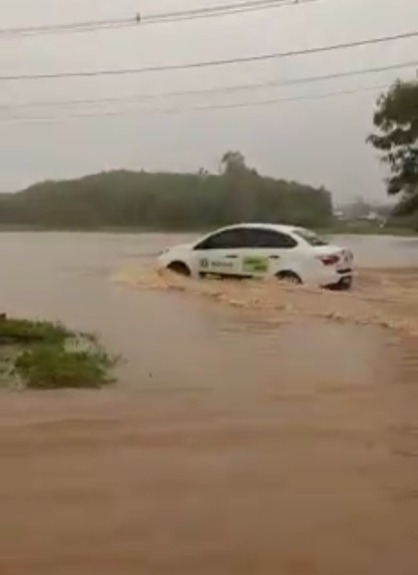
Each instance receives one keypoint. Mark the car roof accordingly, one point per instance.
(248, 225)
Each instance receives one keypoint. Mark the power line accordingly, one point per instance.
(139, 20)
(216, 10)
(86, 26)
(225, 10)
(214, 90)
(212, 63)
(209, 107)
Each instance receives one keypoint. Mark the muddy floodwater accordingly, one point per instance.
(254, 429)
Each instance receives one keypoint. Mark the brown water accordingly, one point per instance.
(255, 429)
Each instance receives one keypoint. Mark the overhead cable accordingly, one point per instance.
(186, 109)
(211, 63)
(248, 87)
(139, 19)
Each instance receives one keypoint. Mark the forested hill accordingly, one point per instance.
(166, 201)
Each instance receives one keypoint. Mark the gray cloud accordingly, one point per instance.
(319, 141)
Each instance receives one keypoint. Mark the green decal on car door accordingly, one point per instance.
(255, 265)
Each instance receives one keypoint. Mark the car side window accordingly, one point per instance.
(269, 239)
(228, 239)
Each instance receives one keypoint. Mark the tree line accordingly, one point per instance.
(238, 193)
(167, 200)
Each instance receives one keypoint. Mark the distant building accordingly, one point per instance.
(372, 217)
(359, 212)
(339, 214)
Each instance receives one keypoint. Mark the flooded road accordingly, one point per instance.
(105, 283)
(253, 430)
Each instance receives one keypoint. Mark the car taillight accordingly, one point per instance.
(330, 260)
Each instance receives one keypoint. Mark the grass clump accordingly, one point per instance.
(23, 331)
(41, 355)
(54, 367)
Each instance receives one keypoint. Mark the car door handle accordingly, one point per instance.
(231, 256)
(274, 257)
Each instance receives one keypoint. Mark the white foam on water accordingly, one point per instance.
(382, 297)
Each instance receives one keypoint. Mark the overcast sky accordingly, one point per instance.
(319, 141)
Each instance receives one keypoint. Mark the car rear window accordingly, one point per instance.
(310, 237)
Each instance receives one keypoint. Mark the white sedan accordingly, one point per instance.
(288, 253)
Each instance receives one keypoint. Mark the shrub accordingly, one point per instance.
(53, 367)
(22, 331)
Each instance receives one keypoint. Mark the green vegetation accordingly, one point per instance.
(396, 138)
(52, 367)
(22, 331)
(43, 355)
(141, 200)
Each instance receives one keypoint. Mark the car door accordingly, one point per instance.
(218, 254)
(266, 252)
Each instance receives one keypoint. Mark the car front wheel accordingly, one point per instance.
(179, 268)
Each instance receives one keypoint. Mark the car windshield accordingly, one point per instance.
(310, 237)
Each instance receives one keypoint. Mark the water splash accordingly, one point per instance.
(383, 297)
